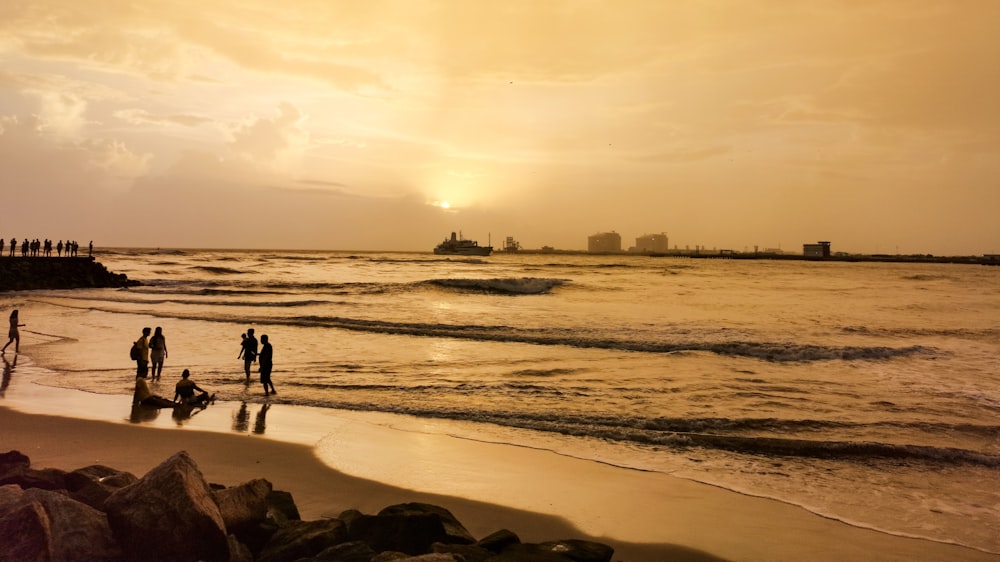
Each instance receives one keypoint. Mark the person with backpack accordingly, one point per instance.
(140, 352)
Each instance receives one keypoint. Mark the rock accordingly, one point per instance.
(46, 525)
(580, 550)
(496, 542)
(237, 550)
(27, 477)
(556, 551)
(432, 557)
(466, 552)
(93, 484)
(354, 551)
(411, 528)
(303, 539)
(243, 505)
(281, 507)
(13, 458)
(169, 514)
(106, 475)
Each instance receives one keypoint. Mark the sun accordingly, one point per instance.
(445, 205)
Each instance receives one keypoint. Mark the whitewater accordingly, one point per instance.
(864, 392)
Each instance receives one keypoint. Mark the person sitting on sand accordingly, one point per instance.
(184, 391)
(145, 397)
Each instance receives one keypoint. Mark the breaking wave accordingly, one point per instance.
(510, 286)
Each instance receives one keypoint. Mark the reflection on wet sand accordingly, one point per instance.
(8, 369)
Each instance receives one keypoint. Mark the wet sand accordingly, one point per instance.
(537, 494)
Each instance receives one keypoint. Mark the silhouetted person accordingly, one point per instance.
(90, 249)
(13, 333)
(157, 353)
(59, 249)
(142, 362)
(145, 397)
(13, 246)
(184, 391)
(265, 362)
(2, 241)
(249, 352)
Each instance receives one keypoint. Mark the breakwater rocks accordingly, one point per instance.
(20, 273)
(172, 513)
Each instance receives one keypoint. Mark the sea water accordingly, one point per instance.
(865, 392)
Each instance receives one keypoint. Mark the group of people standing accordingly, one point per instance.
(249, 354)
(37, 247)
(151, 351)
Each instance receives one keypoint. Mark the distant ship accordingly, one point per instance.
(458, 246)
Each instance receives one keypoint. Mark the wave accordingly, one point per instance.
(510, 286)
(217, 269)
(767, 351)
(710, 433)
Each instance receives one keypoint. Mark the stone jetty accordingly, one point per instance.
(27, 273)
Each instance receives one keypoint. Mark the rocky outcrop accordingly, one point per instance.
(172, 513)
(20, 273)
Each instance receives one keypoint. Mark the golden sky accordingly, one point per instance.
(381, 125)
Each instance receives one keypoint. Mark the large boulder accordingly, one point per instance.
(44, 525)
(243, 505)
(169, 514)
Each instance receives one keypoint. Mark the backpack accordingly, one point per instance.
(134, 352)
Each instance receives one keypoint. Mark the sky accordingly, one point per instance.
(388, 124)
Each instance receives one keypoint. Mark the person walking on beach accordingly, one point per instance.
(157, 353)
(249, 352)
(13, 333)
(142, 361)
(185, 388)
(266, 355)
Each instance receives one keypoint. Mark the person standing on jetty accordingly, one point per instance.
(13, 333)
(142, 361)
(266, 355)
(157, 352)
(249, 352)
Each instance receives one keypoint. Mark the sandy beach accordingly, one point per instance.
(537, 494)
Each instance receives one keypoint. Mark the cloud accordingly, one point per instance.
(278, 142)
(140, 116)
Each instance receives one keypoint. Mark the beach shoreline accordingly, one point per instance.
(644, 516)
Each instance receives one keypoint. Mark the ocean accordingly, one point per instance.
(863, 392)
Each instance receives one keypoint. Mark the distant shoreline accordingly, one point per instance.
(989, 259)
